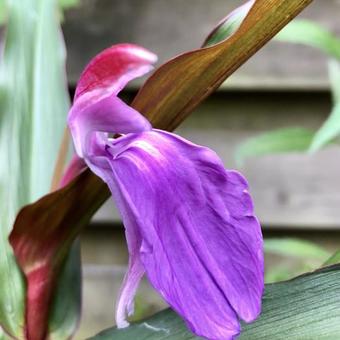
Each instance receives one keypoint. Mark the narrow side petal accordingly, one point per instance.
(127, 292)
(76, 166)
(201, 243)
(135, 272)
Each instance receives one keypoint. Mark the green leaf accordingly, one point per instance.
(3, 335)
(307, 307)
(308, 256)
(309, 33)
(3, 11)
(278, 141)
(298, 31)
(284, 272)
(66, 308)
(15, 141)
(65, 4)
(228, 25)
(312, 34)
(33, 107)
(334, 78)
(334, 259)
(295, 247)
(329, 130)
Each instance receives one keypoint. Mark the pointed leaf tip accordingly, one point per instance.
(228, 25)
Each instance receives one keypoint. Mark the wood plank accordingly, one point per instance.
(171, 27)
(291, 190)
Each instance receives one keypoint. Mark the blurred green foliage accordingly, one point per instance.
(63, 5)
(311, 34)
(307, 256)
(295, 247)
(283, 140)
(34, 102)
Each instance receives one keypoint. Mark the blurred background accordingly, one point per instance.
(296, 194)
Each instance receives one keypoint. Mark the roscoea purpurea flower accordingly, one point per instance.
(189, 222)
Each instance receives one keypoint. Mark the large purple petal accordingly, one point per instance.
(201, 245)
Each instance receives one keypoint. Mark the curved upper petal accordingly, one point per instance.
(109, 71)
(96, 106)
(201, 244)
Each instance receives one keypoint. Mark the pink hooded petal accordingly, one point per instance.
(201, 245)
(96, 106)
(109, 71)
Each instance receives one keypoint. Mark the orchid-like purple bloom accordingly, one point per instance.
(189, 222)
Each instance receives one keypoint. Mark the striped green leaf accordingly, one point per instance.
(307, 307)
(33, 107)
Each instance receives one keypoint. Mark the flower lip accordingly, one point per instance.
(198, 239)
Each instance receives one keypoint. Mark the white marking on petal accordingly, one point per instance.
(149, 148)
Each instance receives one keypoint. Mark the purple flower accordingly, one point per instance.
(189, 222)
